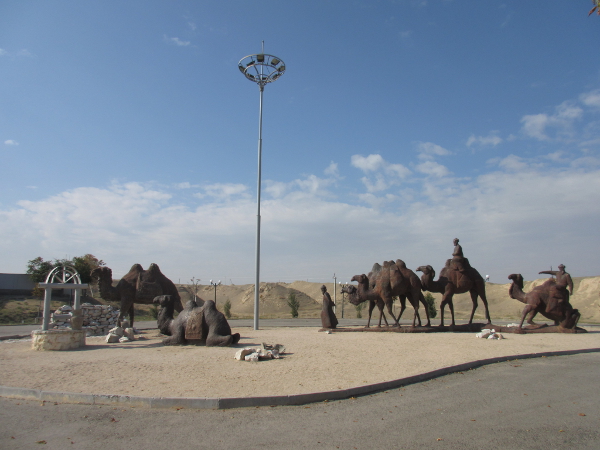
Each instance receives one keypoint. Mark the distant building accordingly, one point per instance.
(15, 284)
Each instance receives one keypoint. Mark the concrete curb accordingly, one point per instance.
(248, 402)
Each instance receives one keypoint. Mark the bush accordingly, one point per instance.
(294, 305)
(430, 305)
(227, 309)
(358, 308)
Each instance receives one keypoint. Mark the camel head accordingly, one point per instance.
(163, 300)
(361, 279)
(427, 270)
(349, 289)
(102, 274)
(517, 279)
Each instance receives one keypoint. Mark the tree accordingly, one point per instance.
(294, 304)
(430, 305)
(596, 8)
(227, 309)
(193, 288)
(38, 269)
(358, 308)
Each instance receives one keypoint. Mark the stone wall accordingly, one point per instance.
(97, 319)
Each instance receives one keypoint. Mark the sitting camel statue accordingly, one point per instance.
(383, 283)
(455, 281)
(549, 299)
(137, 286)
(195, 325)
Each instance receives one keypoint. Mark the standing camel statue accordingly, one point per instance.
(455, 281)
(383, 283)
(137, 286)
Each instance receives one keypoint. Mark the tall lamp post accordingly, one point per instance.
(215, 284)
(261, 69)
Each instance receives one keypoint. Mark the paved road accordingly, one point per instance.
(530, 404)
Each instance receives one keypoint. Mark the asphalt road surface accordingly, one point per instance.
(541, 403)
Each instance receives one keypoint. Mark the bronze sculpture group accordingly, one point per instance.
(200, 323)
(394, 279)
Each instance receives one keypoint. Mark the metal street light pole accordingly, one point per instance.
(261, 69)
(215, 284)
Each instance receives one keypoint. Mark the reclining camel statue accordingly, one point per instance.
(550, 299)
(195, 325)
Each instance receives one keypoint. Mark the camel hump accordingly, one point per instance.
(376, 269)
(401, 264)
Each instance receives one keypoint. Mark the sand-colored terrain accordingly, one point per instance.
(314, 362)
(273, 304)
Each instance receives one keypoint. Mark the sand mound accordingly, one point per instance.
(274, 297)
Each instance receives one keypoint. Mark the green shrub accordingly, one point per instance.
(227, 309)
(358, 308)
(294, 304)
(430, 305)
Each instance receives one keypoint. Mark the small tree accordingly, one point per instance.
(358, 308)
(193, 288)
(294, 304)
(430, 305)
(227, 309)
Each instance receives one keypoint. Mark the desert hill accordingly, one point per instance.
(274, 297)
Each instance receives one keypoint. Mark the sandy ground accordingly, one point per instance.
(314, 362)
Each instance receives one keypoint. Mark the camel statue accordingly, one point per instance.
(195, 325)
(453, 281)
(393, 279)
(549, 299)
(137, 286)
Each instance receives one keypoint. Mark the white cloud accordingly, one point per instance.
(176, 41)
(224, 191)
(492, 139)
(537, 126)
(591, 98)
(428, 150)
(432, 168)
(11, 142)
(518, 219)
(513, 163)
(370, 163)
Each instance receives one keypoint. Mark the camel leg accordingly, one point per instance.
(474, 300)
(125, 307)
(422, 299)
(382, 314)
(528, 308)
(402, 299)
(389, 304)
(131, 311)
(532, 314)
(178, 337)
(451, 306)
(371, 307)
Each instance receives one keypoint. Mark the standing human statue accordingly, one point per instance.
(563, 282)
(328, 318)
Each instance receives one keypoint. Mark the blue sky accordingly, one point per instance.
(128, 132)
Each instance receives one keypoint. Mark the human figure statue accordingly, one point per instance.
(458, 258)
(328, 318)
(563, 283)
